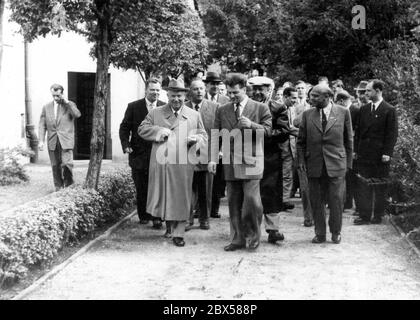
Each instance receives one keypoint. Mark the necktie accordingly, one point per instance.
(197, 107)
(372, 109)
(176, 114)
(237, 111)
(213, 98)
(324, 120)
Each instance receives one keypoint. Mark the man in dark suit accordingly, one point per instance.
(137, 148)
(325, 151)
(375, 138)
(246, 122)
(57, 118)
(213, 81)
(203, 180)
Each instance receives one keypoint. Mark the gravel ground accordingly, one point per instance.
(41, 183)
(136, 262)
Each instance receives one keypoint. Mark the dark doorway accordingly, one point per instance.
(81, 91)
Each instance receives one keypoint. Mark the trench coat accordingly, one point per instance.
(170, 171)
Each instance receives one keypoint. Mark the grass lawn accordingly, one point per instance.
(41, 183)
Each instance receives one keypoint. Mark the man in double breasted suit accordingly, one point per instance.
(325, 151)
(246, 122)
(203, 180)
(57, 118)
(173, 129)
(375, 138)
(139, 149)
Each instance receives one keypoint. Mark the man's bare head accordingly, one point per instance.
(321, 95)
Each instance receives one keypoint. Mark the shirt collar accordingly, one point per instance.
(199, 104)
(151, 103)
(377, 103)
(179, 111)
(243, 103)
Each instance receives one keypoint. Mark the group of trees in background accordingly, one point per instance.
(287, 39)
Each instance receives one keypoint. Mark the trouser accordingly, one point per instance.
(202, 191)
(365, 193)
(245, 210)
(304, 194)
(218, 190)
(141, 180)
(287, 160)
(331, 190)
(62, 166)
(176, 228)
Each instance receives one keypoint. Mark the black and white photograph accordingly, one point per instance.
(212, 156)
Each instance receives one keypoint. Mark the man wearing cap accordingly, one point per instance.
(212, 82)
(375, 138)
(139, 149)
(203, 180)
(271, 193)
(246, 121)
(325, 151)
(173, 129)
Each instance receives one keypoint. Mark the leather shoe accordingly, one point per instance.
(179, 242)
(376, 220)
(168, 234)
(233, 247)
(204, 225)
(144, 221)
(360, 221)
(215, 215)
(336, 238)
(288, 206)
(308, 224)
(157, 224)
(253, 245)
(189, 226)
(274, 236)
(355, 214)
(319, 239)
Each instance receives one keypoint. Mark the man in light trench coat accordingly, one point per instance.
(177, 132)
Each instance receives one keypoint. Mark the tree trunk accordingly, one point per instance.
(97, 142)
(2, 5)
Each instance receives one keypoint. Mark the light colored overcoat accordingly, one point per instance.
(170, 171)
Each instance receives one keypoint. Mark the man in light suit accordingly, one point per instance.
(203, 180)
(139, 149)
(57, 118)
(246, 121)
(375, 139)
(325, 151)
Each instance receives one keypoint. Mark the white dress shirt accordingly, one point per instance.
(56, 106)
(377, 103)
(150, 105)
(327, 111)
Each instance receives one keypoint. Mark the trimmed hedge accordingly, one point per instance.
(35, 232)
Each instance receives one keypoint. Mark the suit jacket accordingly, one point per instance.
(376, 133)
(334, 146)
(60, 128)
(208, 114)
(252, 165)
(289, 145)
(354, 113)
(134, 115)
(221, 100)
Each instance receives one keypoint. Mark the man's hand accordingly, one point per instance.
(386, 158)
(302, 167)
(355, 156)
(163, 134)
(41, 146)
(128, 150)
(64, 102)
(212, 167)
(220, 155)
(191, 140)
(244, 123)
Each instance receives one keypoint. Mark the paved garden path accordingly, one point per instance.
(136, 262)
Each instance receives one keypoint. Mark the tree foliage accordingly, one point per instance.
(171, 40)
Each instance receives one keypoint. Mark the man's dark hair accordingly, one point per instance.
(344, 95)
(378, 85)
(152, 80)
(287, 92)
(232, 79)
(300, 82)
(56, 87)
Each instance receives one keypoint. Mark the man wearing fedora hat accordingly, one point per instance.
(173, 129)
(212, 82)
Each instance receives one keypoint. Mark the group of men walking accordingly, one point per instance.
(183, 153)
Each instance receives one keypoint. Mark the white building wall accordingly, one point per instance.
(51, 59)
